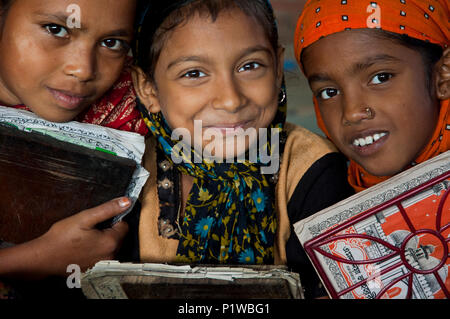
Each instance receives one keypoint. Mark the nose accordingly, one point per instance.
(81, 63)
(228, 95)
(355, 110)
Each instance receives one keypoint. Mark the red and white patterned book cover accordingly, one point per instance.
(388, 242)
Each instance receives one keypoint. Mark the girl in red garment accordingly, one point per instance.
(64, 73)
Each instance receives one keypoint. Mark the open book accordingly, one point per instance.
(114, 280)
(49, 171)
(390, 241)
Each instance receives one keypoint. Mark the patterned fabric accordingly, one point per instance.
(230, 212)
(116, 109)
(426, 20)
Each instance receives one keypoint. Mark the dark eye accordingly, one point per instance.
(56, 30)
(328, 93)
(114, 44)
(381, 78)
(250, 66)
(194, 74)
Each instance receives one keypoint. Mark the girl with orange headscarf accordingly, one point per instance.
(380, 74)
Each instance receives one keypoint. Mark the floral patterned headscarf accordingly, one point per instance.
(426, 20)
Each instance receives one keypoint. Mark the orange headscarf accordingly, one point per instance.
(426, 20)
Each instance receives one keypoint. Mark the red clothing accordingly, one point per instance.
(116, 109)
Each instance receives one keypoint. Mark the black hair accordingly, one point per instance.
(162, 16)
(5, 5)
(4, 8)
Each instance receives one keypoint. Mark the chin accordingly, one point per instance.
(380, 170)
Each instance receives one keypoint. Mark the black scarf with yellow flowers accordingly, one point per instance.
(230, 212)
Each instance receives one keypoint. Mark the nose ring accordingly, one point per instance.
(370, 113)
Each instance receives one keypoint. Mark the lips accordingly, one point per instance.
(68, 100)
(369, 142)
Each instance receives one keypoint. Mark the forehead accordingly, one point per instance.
(352, 48)
(232, 30)
(98, 13)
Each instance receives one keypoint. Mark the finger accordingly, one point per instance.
(93, 216)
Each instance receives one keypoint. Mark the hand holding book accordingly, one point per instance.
(68, 241)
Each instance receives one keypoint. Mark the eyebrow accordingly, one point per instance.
(379, 58)
(319, 77)
(118, 33)
(191, 58)
(357, 67)
(62, 18)
(197, 58)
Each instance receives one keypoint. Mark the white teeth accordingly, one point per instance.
(362, 142)
(368, 140)
(376, 137)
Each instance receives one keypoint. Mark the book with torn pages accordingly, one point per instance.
(114, 280)
(390, 241)
(49, 171)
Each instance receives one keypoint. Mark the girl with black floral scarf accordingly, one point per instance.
(218, 63)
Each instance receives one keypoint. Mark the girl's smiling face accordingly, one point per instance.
(58, 71)
(224, 73)
(352, 71)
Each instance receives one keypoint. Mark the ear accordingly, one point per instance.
(280, 66)
(145, 90)
(443, 76)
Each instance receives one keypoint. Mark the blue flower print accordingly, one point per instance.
(259, 199)
(204, 226)
(247, 256)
